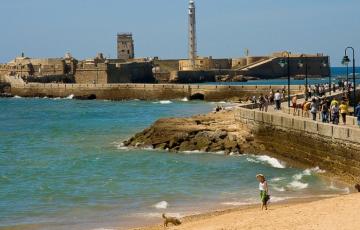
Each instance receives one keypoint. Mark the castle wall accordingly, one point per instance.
(91, 74)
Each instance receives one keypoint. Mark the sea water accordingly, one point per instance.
(62, 166)
(336, 74)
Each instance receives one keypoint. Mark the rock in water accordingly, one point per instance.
(213, 132)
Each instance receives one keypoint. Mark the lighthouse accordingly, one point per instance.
(192, 33)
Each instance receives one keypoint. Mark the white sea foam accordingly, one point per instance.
(237, 203)
(317, 170)
(252, 160)
(276, 179)
(298, 185)
(161, 205)
(121, 146)
(343, 190)
(193, 152)
(308, 172)
(71, 96)
(219, 153)
(279, 189)
(269, 160)
(275, 199)
(16, 96)
(185, 99)
(164, 102)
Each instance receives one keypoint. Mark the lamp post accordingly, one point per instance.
(346, 61)
(325, 64)
(283, 63)
(301, 64)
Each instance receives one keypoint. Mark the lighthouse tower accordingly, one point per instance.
(192, 33)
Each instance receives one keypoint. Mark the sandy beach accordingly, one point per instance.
(338, 213)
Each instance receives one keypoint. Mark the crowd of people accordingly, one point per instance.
(316, 104)
(329, 109)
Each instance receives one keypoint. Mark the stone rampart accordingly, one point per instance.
(333, 148)
(142, 91)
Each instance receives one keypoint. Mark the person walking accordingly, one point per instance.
(335, 113)
(266, 103)
(314, 109)
(357, 113)
(264, 191)
(277, 99)
(261, 102)
(325, 111)
(344, 110)
(294, 104)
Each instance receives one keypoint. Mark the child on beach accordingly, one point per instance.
(264, 191)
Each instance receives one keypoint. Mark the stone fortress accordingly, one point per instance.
(129, 69)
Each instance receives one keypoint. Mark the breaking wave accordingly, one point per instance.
(161, 205)
(275, 163)
(71, 96)
(298, 185)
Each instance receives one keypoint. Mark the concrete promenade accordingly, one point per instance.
(285, 118)
(334, 148)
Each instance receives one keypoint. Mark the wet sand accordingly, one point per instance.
(337, 213)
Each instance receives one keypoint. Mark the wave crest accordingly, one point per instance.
(275, 163)
(161, 205)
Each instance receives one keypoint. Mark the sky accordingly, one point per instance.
(50, 28)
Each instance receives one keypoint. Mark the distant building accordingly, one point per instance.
(97, 70)
(125, 46)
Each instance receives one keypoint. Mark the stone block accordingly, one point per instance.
(354, 135)
(287, 122)
(325, 129)
(311, 127)
(341, 133)
(258, 116)
(267, 118)
(299, 124)
(277, 120)
(249, 114)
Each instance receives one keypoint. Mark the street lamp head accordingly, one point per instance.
(301, 64)
(346, 60)
(324, 63)
(282, 63)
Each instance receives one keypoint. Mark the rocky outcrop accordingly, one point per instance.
(214, 132)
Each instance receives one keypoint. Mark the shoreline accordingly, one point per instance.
(219, 217)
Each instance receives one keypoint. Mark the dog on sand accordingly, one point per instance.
(357, 187)
(173, 220)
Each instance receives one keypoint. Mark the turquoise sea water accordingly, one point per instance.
(62, 167)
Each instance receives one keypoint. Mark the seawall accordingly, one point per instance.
(144, 91)
(335, 149)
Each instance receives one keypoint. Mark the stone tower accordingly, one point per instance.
(125, 46)
(192, 33)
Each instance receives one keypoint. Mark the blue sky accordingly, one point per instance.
(50, 28)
